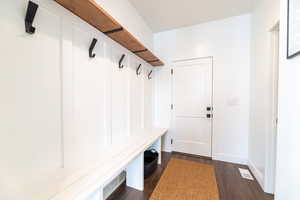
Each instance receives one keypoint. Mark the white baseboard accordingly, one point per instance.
(230, 158)
(166, 150)
(258, 175)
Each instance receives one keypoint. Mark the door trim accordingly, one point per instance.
(271, 146)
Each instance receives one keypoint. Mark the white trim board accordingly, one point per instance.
(230, 158)
(257, 174)
(92, 179)
(271, 137)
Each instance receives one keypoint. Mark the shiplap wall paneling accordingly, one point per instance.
(88, 133)
(136, 96)
(119, 95)
(62, 111)
(30, 104)
(148, 97)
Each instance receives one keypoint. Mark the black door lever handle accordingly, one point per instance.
(209, 115)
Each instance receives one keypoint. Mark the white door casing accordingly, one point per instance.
(269, 179)
(192, 98)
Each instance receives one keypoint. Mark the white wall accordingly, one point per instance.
(62, 111)
(228, 41)
(288, 149)
(127, 16)
(265, 15)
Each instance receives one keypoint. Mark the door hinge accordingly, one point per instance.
(171, 141)
(172, 106)
(172, 71)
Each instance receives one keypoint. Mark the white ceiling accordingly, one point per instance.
(163, 15)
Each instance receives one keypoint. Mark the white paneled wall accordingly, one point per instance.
(136, 97)
(119, 97)
(62, 111)
(149, 99)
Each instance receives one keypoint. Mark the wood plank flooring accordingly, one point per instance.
(231, 185)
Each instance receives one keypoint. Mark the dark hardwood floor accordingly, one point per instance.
(231, 185)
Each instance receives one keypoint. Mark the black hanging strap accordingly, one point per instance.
(140, 51)
(113, 31)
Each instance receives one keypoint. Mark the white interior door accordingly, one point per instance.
(192, 107)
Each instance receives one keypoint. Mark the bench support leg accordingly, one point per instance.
(97, 195)
(135, 173)
(157, 146)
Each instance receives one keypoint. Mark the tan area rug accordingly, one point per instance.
(186, 180)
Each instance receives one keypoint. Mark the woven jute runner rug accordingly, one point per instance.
(186, 180)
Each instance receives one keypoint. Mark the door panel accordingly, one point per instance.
(192, 127)
(192, 94)
(192, 90)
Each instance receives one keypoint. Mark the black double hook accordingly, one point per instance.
(149, 75)
(120, 61)
(139, 70)
(30, 14)
(92, 46)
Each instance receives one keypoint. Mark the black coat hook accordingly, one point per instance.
(30, 14)
(120, 61)
(139, 70)
(149, 75)
(92, 55)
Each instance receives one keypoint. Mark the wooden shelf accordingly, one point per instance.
(125, 39)
(157, 63)
(147, 55)
(92, 13)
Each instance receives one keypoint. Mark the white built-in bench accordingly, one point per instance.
(88, 184)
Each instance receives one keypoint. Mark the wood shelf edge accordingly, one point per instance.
(92, 13)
